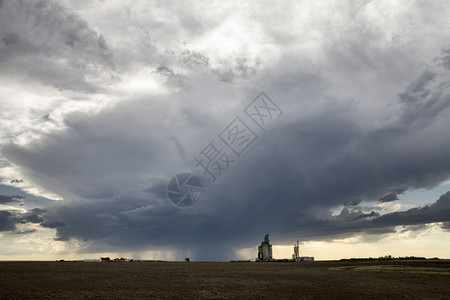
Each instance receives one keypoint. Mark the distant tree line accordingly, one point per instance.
(122, 259)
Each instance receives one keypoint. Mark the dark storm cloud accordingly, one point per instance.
(10, 199)
(96, 156)
(412, 220)
(436, 212)
(114, 223)
(53, 224)
(33, 216)
(326, 159)
(415, 217)
(389, 197)
(8, 220)
(344, 225)
(424, 103)
(319, 161)
(112, 167)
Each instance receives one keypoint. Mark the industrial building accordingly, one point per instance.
(265, 253)
(297, 258)
(92, 259)
(265, 250)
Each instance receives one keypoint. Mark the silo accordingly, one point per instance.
(265, 250)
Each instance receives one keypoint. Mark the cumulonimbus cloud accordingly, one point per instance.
(361, 122)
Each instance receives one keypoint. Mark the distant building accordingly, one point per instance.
(265, 250)
(306, 258)
(92, 259)
(296, 257)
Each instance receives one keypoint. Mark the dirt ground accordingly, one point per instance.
(212, 280)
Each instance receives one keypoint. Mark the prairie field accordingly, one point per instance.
(224, 280)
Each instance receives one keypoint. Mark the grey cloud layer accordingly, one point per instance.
(322, 161)
(41, 41)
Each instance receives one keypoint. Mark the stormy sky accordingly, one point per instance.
(103, 102)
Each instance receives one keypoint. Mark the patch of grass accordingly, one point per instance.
(403, 270)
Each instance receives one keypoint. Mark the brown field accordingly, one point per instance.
(159, 280)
